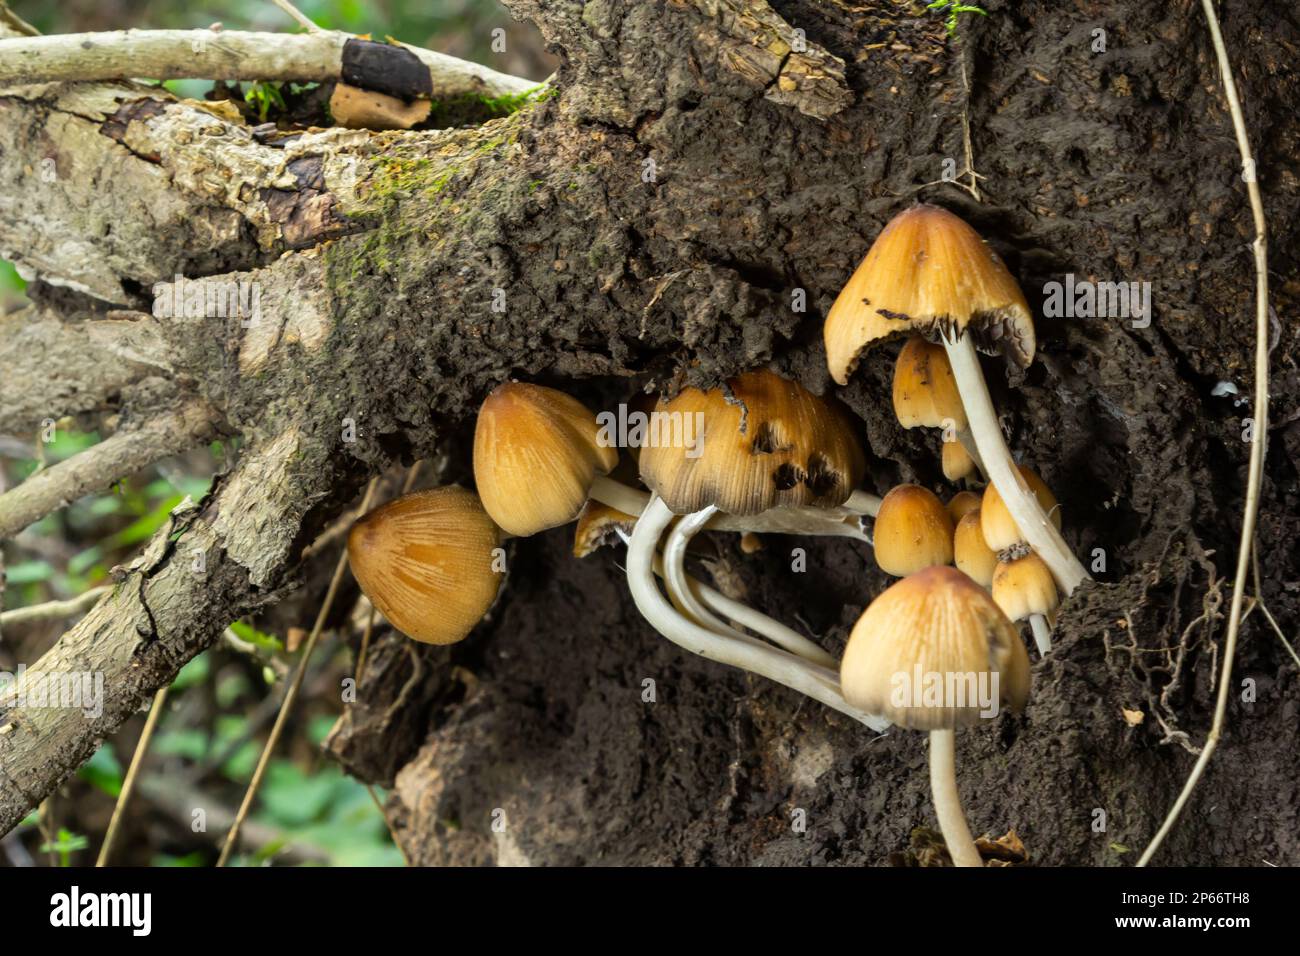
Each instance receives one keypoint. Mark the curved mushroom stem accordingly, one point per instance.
(811, 521)
(947, 802)
(748, 653)
(679, 586)
(1037, 529)
(1042, 633)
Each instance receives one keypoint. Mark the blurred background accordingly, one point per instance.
(220, 708)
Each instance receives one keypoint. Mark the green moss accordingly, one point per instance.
(472, 108)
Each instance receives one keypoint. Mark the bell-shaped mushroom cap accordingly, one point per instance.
(962, 503)
(970, 553)
(1025, 586)
(913, 530)
(426, 562)
(1000, 531)
(925, 392)
(599, 525)
(940, 629)
(536, 453)
(757, 443)
(957, 462)
(928, 272)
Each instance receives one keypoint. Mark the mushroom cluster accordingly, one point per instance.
(935, 651)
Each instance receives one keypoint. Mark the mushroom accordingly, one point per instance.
(928, 272)
(971, 553)
(599, 524)
(918, 654)
(536, 457)
(770, 448)
(913, 530)
(925, 395)
(425, 561)
(1023, 588)
(961, 503)
(539, 457)
(957, 461)
(1001, 530)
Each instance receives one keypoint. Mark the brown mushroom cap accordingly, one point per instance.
(961, 504)
(935, 622)
(766, 443)
(536, 454)
(957, 462)
(598, 526)
(426, 562)
(912, 530)
(1000, 530)
(928, 272)
(1025, 586)
(925, 392)
(970, 552)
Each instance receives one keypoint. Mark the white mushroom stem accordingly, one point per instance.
(747, 653)
(1034, 525)
(679, 587)
(809, 521)
(968, 442)
(947, 802)
(1042, 633)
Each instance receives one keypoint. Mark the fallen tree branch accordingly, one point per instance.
(235, 55)
(1259, 437)
(99, 466)
(168, 606)
(52, 610)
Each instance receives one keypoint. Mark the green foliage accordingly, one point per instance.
(953, 9)
(64, 845)
(262, 97)
(103, 771)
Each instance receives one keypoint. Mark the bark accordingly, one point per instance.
(379, 258)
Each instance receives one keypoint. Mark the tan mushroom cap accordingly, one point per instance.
(925, 392)
(957, 462)
(970, 553)
(1025, 586)
(912, 530)
(928, 272)
(766, 443)
(942, 629)
(1000, 530)
(598, 526)
(961, 504)
(536, 454)
(426, 561)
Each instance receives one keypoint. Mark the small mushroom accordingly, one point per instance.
(913, 530)
(1001, 531)
(971, 553)
(925, 395)
(1024, 588)
(918, 654)
(929, 273)
(961, 503)
(599, 524)
(536, 457)
(957, 461)
(426, 562)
